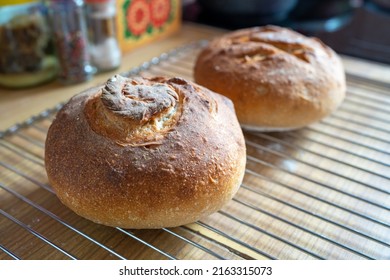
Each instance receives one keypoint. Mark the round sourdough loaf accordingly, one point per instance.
(145, 152)
(277, 79)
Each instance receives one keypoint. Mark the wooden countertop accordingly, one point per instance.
(18, 105)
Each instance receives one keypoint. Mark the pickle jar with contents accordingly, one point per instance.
(101, 22)
(25, 58)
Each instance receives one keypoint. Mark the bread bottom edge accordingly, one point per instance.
(254, 128)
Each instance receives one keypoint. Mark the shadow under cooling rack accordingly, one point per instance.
(322, 192)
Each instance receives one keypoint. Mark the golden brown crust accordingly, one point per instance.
(185, 161)
(276, 78)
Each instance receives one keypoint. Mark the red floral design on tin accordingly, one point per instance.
(159, 10)
(138, 16)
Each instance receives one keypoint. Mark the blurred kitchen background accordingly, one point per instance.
(72, 40)
(355, 27)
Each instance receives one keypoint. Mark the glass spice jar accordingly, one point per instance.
(25, 57)
(103, 44)
(70, 40)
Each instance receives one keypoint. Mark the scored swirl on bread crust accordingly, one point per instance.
(277, 78)
(145, 152)
(138, 112)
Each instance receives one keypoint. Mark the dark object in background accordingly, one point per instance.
(352, 27)
(366, 35)
(319, 9)
(384, 4)
(248, 7)
(235, 14)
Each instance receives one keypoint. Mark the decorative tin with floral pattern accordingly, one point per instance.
(143, 21)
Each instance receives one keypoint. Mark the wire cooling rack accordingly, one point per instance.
(321, 192)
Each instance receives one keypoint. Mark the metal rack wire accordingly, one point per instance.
(322, 192)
